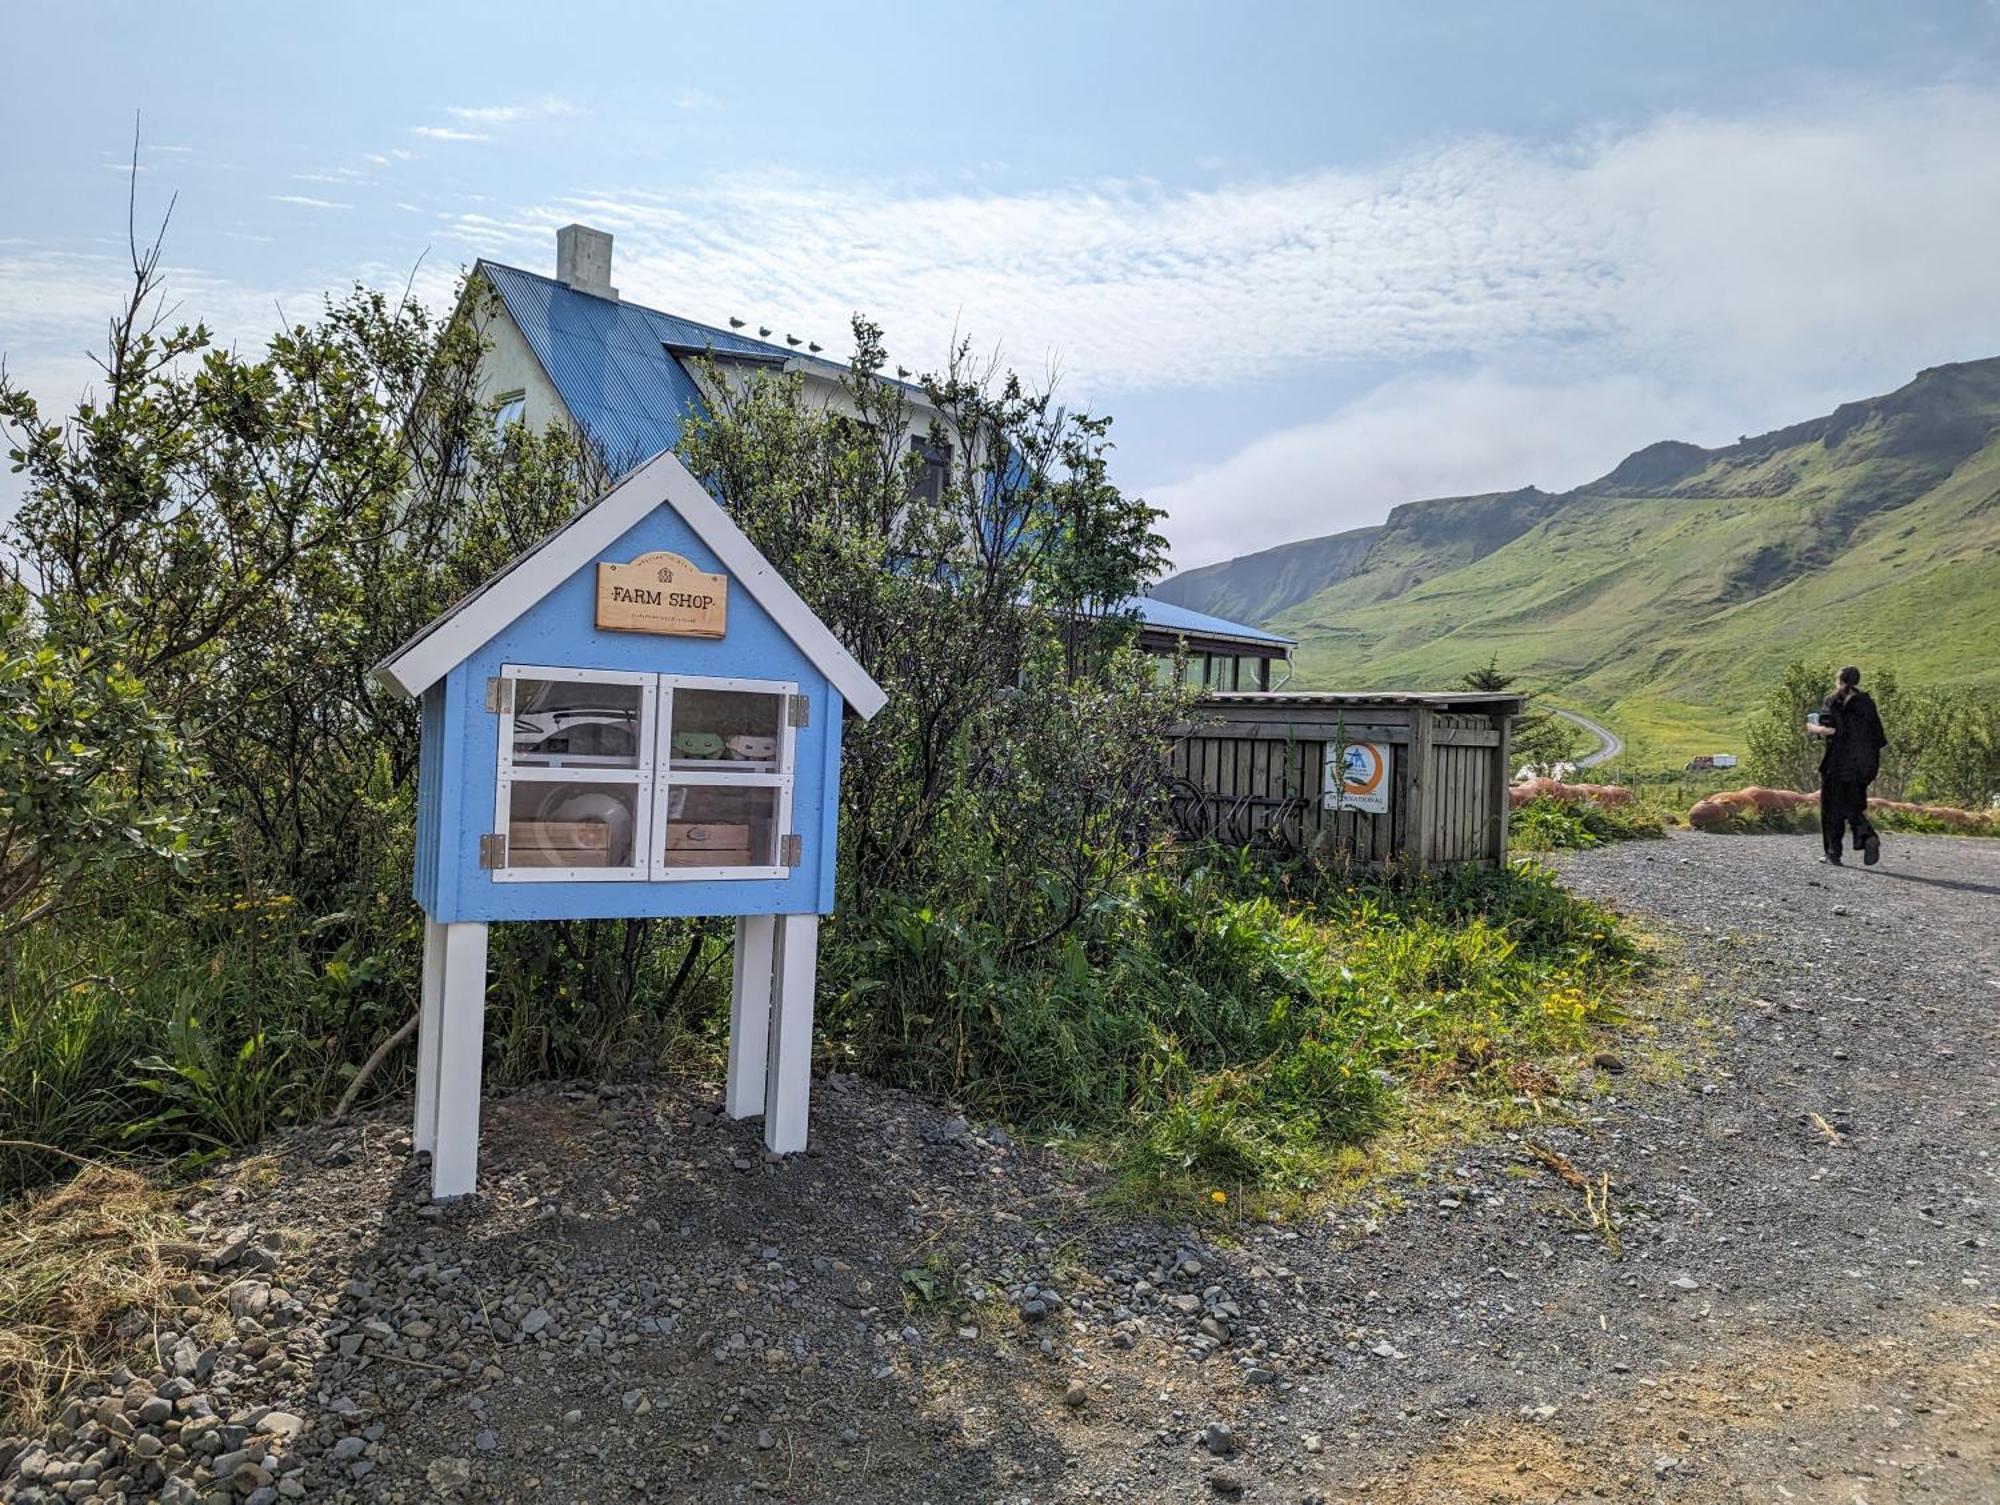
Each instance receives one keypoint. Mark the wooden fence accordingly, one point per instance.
(1252, 770)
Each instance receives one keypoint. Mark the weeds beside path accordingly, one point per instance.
(1797, 1159)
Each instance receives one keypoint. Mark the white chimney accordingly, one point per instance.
(583, 260)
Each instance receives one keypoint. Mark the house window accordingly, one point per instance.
(511, 408)
(607, 774)
(935, 476)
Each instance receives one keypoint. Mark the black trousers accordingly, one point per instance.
(1843, 802)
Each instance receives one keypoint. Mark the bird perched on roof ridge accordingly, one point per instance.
(815, 347)
(734, 322)
(764, 330)
(904, 372)
(791, 339)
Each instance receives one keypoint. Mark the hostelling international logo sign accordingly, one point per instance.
(662, 593)
(1357, 777)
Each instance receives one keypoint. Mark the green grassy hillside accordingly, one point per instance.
(1255, 586)
(1666, 596)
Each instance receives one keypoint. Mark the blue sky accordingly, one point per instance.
(1316, 259)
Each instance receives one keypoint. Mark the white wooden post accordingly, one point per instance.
(787, 1094)
(430, 1020)
(461, 1042)
(749, 1015)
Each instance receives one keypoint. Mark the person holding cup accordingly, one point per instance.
(1852, 730)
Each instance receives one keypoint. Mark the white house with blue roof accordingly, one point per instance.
(568, 349)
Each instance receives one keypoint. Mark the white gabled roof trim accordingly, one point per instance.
(661, 481)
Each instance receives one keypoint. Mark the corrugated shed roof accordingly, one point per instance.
(1476, 700)
(1168, 617)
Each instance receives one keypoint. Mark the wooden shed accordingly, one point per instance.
(1413, 780)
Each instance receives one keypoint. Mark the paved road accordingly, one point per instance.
(1613, 744)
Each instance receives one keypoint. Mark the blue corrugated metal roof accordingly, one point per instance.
(609, 360)
(611, 363)
(1168, 617)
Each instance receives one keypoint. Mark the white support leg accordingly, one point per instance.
(787, 1094)
(749, 1015)
(430, 1021)
(461, 1044)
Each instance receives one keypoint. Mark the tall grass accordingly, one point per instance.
(1547, 825)
(182, 1032)
(1223, 1022)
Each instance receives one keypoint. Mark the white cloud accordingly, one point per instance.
(305, 201)
(1796, 239)
(1723, 277)
(1691, 276)
(548, 107)
(1420, 437)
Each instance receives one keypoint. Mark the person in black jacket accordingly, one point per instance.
(1854, 737)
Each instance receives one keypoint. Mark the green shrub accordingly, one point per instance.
(1230, 1024)
(1545, 825)
(1944, 744)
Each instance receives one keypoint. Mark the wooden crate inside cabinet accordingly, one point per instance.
(638, 718)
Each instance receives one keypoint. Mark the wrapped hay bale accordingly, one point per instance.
(1757, 808)
(1743, 809)
(1530, 790)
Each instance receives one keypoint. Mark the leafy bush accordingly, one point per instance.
(93, 783)
(1944, 745)
(1232, 1024)
(1545, 825)
(269, 524)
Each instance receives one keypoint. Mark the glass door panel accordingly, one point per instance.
(712, 730)
(577, 723)
(723, 825)
(594, 825)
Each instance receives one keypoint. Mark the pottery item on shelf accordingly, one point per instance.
(697, 745)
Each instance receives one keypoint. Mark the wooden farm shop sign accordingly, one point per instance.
(663, 593)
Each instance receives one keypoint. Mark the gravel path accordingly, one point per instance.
(1801, 1153)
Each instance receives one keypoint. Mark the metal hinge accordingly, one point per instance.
(791, 850)
(500, 696)
(800, 711)
(492, 851)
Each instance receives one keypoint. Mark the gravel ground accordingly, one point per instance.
(1799, 1132)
